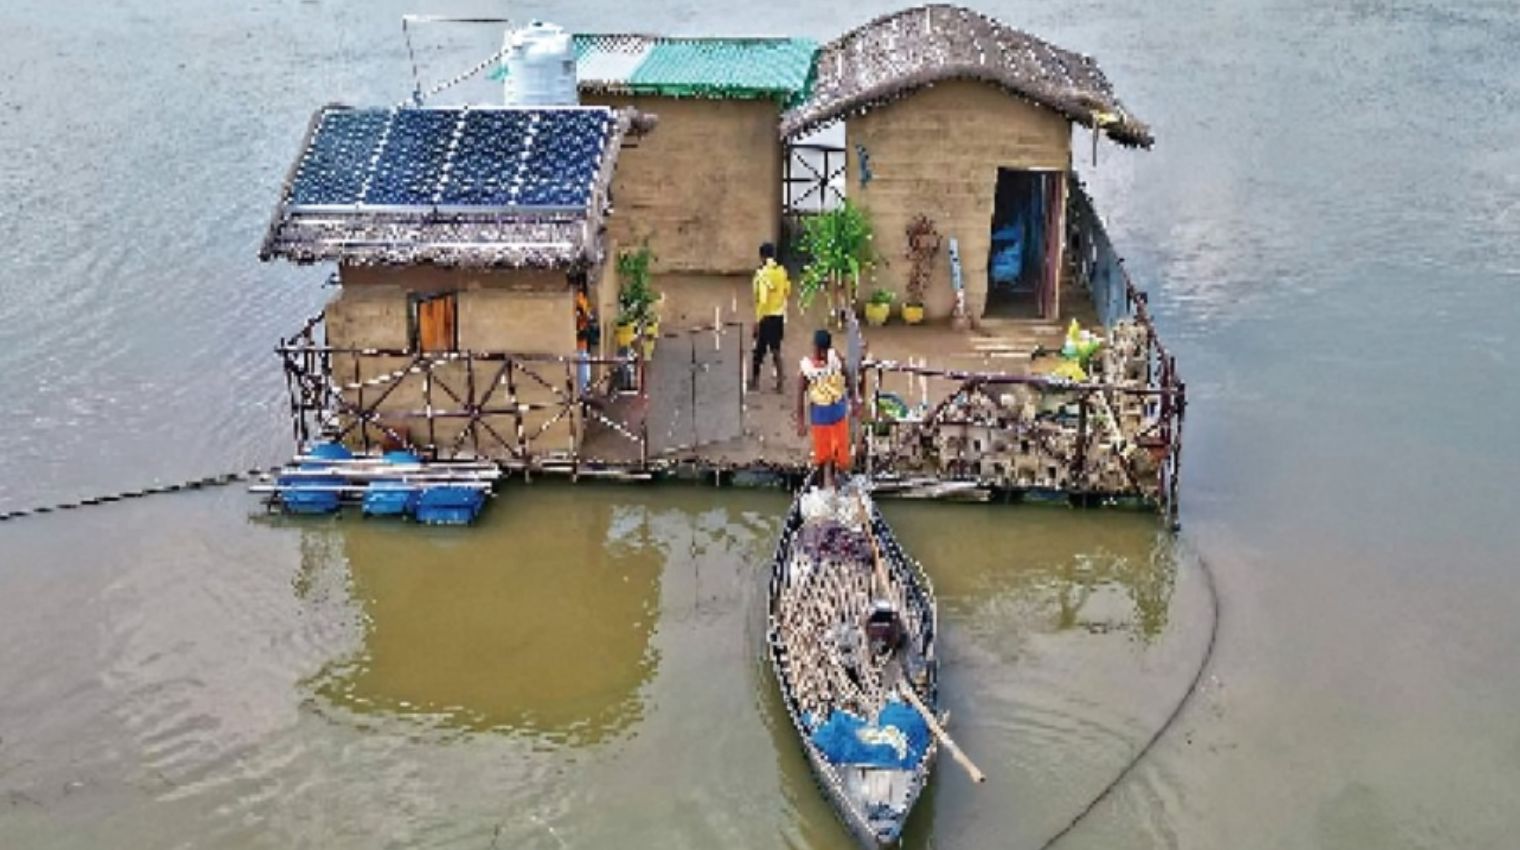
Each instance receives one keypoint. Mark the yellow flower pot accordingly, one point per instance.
(913, 313)
(877, 314)
(623, 335)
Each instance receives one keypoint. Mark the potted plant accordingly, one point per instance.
(879, 308)
(923, 246)
(635, 298)
(838, 248)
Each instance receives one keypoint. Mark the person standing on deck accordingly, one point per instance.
(772, 288)
(826, 399)
(587, 335)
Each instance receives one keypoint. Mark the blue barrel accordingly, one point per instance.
(309, 495)
(449, 505)
(331, 451)
(389, 498)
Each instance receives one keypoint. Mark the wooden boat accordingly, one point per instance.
(851, 631)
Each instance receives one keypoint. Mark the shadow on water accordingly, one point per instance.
(536, 622)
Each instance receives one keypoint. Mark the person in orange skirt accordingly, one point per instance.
(825, 401)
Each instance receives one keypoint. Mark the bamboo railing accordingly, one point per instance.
(524, 410)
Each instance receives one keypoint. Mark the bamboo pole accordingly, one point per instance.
(960, 756)
(878, 571)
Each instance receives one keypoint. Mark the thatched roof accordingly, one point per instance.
(479, 187)
(899, 53)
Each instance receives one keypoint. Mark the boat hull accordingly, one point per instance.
(835, 780)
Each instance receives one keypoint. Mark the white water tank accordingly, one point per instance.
(540, 65)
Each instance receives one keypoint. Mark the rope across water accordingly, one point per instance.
(1171, 719)
(157, 489)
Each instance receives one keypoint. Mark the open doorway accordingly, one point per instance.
(1025, 250)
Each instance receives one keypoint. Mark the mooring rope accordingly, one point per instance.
(178, 487)
(1171, 719)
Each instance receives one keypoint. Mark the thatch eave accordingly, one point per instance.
(896, 55)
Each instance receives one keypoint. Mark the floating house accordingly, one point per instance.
(461, 237)
(459, 231)
(955, 116)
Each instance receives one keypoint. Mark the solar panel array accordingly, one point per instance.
(482, 158)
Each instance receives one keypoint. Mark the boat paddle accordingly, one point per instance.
(956, 752)
(939, 732)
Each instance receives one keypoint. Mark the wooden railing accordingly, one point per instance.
(521, 409)
(1117, 435)
(1092, 441)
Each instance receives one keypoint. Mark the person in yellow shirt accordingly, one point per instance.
(772, 288)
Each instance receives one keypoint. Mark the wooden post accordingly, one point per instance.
(572, 404)
(1081, 464)
(473, 406)
(522, 446)
(359, 400)
(1173, 507)
(427, 406)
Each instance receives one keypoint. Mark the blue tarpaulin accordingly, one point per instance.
(899, 738)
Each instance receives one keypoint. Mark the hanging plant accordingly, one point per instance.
(923, 246)
(635, 297)
(838, 247)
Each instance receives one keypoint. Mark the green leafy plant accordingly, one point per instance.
(882, 296)
(635, 297)
(838, 248)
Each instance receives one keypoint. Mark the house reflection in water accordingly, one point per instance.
(1045, 570)
(535, 622)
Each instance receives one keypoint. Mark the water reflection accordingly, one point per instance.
(534, 621)
(1044, 569)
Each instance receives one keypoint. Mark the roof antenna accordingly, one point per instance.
(406, 34)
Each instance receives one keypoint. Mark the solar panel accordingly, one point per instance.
(487, 158)
(411, 161)
(455, 158)
(562, 158)
(334, 167)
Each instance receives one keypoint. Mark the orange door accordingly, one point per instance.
(436, 324)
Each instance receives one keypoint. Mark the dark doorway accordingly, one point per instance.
(1021, 276)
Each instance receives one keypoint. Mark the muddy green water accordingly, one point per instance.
(1330, 227)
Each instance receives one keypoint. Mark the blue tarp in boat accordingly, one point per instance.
(899, 738)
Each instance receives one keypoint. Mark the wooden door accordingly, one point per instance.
(437, 323)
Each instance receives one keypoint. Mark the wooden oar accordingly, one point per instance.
(940, 733)
(904, 687)
(876, 566)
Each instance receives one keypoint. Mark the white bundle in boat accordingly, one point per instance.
(848, 505)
